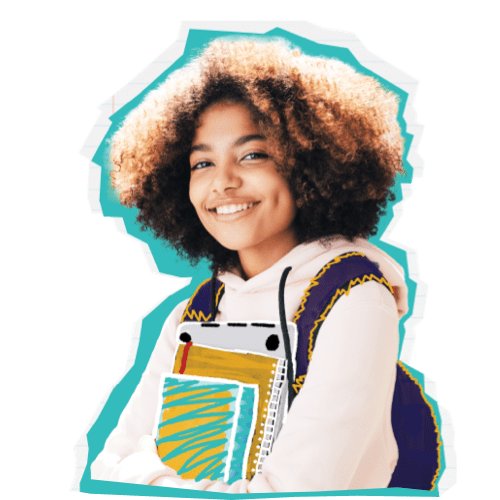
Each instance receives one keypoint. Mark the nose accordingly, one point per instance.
(226, 177)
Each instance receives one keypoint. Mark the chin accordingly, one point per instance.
(234, 246)
(232, 241)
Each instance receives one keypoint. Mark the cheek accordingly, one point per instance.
(291, 209)
(195, 194)
(285, 201)
(197, 198)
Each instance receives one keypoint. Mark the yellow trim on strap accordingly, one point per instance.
(315, 281)
(199, 316)
(190, 315)
(338, 294)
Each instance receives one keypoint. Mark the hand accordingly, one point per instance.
(146, 443)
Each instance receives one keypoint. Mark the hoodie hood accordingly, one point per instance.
(307, 259)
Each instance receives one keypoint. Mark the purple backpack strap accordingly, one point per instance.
(199, 306)
(413, 418)
(334, 280)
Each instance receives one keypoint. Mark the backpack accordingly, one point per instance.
(413, 418)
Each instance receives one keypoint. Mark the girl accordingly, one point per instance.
(258, 158)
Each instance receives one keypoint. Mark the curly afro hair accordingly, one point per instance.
(335, 133)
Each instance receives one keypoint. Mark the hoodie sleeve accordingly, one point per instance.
(127, 455)
(338, 434)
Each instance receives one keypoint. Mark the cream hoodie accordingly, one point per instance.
(338, 433)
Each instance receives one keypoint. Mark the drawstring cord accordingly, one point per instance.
(213, 296)
(286, 337)
(284, 329)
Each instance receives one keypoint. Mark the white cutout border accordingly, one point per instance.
(367, 58)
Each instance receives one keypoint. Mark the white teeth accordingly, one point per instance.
(232, 209)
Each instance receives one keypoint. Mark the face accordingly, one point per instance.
(238, 194)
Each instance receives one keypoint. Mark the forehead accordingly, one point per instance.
(224, 121)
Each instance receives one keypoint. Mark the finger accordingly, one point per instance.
(146, 443)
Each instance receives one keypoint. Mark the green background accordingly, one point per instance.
(73, 286)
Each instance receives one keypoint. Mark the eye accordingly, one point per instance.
(201, 165)
(255, 156)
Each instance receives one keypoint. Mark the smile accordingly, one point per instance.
(232, 209)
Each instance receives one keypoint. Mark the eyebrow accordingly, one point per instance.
(239, 142)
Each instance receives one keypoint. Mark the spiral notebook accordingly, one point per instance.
(223, 406)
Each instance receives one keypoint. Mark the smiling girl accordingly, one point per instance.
(238, 194)
(259, 158)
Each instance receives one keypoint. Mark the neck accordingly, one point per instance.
(257, 259)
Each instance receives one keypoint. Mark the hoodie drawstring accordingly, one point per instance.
(284, 329)
(213, 296)
(286, 337)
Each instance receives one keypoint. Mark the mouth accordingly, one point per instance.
(233, 208)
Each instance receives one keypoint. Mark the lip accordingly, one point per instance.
(230, 201)
(236, 215)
